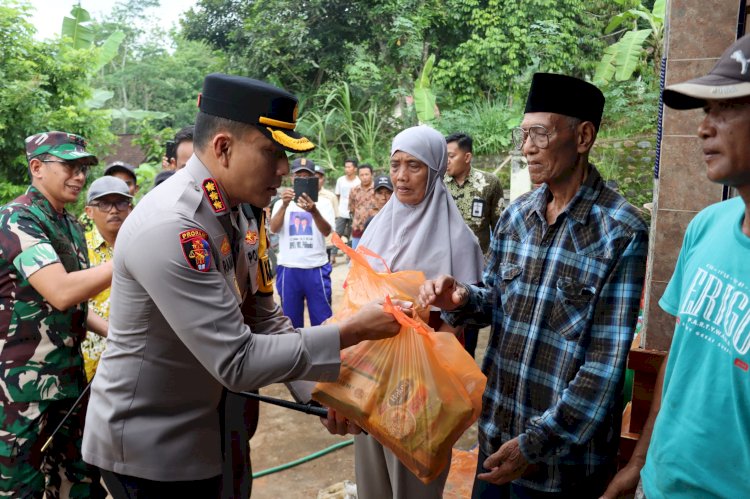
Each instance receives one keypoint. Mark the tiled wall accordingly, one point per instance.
(697, 33)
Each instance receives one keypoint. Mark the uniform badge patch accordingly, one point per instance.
(226, 248)
(196, 249)
(211, 189)
(251, 237)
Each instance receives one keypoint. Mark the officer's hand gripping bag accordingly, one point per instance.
(417, 392)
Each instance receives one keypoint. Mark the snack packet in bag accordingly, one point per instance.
(416, 393)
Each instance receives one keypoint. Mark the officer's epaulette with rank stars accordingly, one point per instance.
(213, 193)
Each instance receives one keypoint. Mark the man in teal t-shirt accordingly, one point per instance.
(696, 442)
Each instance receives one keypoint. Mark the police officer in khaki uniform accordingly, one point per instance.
(187, 320)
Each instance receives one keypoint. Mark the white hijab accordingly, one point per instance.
(430, 236)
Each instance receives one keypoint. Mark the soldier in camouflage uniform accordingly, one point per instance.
(44, 284)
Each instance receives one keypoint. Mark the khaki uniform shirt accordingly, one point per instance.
(185, 322)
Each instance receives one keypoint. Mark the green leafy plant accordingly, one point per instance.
(78, 31)
(145, 174)
(344, 125)
(45, 85)
(424, 98)
(488, 123)
(77, 28)
(622, 58)
(8, 191)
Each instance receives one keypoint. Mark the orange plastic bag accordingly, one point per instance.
(416, 393)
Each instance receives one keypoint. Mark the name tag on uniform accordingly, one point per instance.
(477, 208)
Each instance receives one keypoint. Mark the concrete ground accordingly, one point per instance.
(284, 436)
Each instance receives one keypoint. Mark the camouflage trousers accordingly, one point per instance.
(59, 471)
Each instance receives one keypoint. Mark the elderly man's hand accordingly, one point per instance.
(336, 424)
(444, 292)
(505, 465)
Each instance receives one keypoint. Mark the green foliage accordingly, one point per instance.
(145, 174)
(630, 108)
(344, 125)
(623, 58)
(78, 29)
(507, 41)
(424, 99)
(45, 87)
(151, 70)
(375, 45)
(9, 192)
(155, 79)
(488, 123)
(126, 115)
(363, 70)
(628, 166)
(151, 140)
(109, 49)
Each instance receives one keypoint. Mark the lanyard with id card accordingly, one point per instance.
(477, 208)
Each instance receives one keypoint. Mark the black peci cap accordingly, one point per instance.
(271, 109)
(566, 95)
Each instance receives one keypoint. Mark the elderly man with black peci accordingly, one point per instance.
(563, 285)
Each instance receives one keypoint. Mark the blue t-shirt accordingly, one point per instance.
(700, 447)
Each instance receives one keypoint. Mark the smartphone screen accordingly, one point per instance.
(307, 185)
(171, 150)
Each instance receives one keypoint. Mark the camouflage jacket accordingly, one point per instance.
(40, 357)
(480, 201)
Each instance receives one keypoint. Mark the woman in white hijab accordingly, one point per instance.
(419, 228)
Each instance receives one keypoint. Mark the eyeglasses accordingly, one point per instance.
(539, 136)
(74, 169)
(106, 206)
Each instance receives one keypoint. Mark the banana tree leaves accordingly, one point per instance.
(75, 28)
(628, 54)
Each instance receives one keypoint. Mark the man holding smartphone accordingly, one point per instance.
(302, 222)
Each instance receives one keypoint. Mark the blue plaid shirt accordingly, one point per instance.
(563, 302)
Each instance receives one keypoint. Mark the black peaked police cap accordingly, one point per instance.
(566, 95)
(271, 109)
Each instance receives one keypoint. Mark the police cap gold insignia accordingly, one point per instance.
(271, 109)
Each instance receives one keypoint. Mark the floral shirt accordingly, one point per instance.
(362, 206)
(93, 346)
(480, 201)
